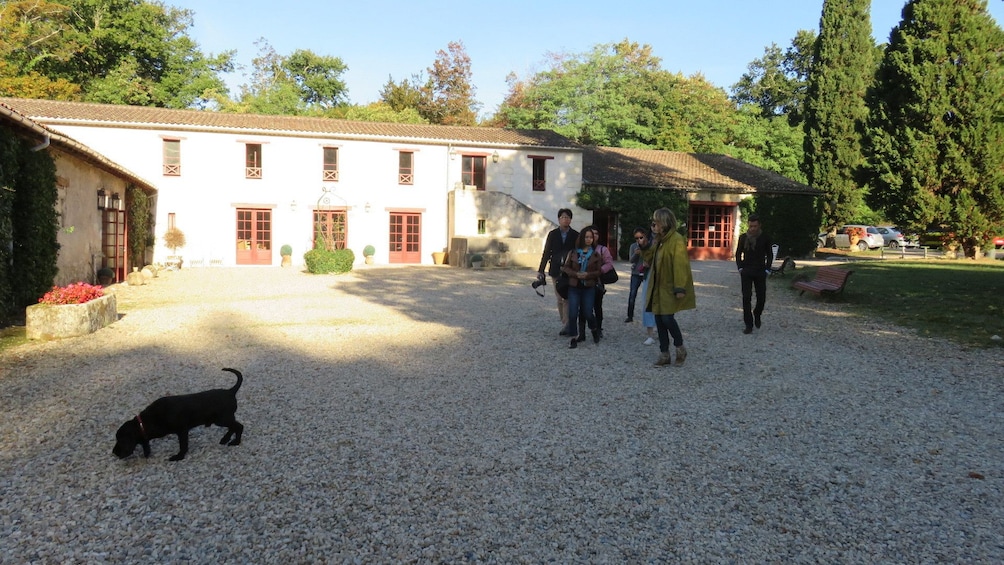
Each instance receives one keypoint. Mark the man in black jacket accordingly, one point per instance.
(753, 257)
(559, 242)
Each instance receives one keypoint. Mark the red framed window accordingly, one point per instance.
(539, 182)
(252, 160)
(172, 157)
(472, 171)
(330, 167)
(406, 167)
(331, 228)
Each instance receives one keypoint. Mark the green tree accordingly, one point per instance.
(377, 112)
(131, 51)
(403, 95)
(777, 82)
(768, 142)
(935, 143)
(300, 83)
(835, 110)
(618, 95)
(29, 34)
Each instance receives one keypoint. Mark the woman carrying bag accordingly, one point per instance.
(583, 269)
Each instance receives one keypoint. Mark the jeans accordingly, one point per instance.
(749, 282)
(636, 281)
(666, 325)
(581, 301)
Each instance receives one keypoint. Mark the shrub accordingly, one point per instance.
(369, 251)
(320, 261)
(174, 239)
(286, 250)
(76, 293)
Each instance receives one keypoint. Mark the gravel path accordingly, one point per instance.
(432, 415)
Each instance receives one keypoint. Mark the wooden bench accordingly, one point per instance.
(828, 280)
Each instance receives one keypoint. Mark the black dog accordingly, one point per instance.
(177, 415)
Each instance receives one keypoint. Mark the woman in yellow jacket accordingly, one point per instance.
(670, 284)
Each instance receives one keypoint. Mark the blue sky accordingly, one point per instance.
(381, 38)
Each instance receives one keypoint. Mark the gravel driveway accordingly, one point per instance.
(427, 414)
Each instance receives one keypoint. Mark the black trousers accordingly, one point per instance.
(751, 282)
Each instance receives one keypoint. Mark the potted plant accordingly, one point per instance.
(368, 252)
(286, 251)
(477, 261)
(174, 239)
(73, 310)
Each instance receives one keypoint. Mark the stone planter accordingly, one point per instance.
(55, 321)
(438, 257)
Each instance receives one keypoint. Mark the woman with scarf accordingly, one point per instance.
(670, 283)
(583, 269)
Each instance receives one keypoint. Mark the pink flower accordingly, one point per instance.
(76, 293)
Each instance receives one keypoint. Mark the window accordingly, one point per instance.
(539, 182)
(330, 172)
(482, 226)
(406, 167)
(330, 227)
(252, 160)
(172, 157)
(472, 171)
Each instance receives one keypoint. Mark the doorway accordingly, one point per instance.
(254, 236)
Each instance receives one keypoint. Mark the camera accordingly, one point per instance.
(538, 283)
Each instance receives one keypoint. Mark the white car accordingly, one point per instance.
(894, 238)
(870, 238)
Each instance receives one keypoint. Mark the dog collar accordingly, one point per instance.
(142, 429)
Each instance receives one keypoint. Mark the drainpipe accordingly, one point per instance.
(42, 145)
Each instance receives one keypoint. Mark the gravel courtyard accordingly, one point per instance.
(433, 415)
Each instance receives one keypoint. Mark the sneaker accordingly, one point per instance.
(649, 341)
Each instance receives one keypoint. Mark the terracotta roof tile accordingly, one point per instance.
(651, 168)
(70, 145)
(53, 112)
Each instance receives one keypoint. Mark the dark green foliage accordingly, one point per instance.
(28, 223)
(139, 225)
(934, 142)
(835, 111)
(776, 84)
(634, 208)
(791, 221)
(320, 261)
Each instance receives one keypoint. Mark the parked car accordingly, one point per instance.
(999, 242)
(870, 238)
(894, 239)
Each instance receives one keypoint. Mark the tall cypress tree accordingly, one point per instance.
(935, 143)
(842, 69)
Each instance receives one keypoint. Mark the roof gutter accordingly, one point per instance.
(30, 125)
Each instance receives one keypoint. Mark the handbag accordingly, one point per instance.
(609, 277)
(561, 285)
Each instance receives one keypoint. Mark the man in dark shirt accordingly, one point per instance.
(753, 258)
(559, 242)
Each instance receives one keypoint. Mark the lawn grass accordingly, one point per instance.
(960, 300)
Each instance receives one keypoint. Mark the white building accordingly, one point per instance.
(241, 186)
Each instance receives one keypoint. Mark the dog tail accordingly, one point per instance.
(240, 379)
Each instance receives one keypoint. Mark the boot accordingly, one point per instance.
(573, 343)
(582, 331)
(681, 355)
(596, 336)
(664, 359)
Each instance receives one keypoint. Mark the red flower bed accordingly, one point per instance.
(76, 293)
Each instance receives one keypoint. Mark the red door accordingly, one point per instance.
(113, 242)
(710, 231)
(254, 237)
(405, 237)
